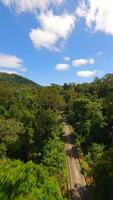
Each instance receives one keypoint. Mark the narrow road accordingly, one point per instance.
(76, 180)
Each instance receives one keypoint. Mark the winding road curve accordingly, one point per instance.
(76, 180)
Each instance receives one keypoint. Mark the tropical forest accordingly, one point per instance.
(32, 140)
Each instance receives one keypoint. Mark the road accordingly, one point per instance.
(76, 180)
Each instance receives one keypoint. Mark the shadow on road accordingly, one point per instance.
(69, 139)
(79, 193)
(71, 153)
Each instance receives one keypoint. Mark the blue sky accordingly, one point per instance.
(56, 41)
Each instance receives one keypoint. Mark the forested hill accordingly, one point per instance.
(32, 156)
(32, 159)
(15, 79)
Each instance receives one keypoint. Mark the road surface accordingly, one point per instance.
(76, 180)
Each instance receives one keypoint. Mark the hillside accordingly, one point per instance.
(32, 153)
(15, 79)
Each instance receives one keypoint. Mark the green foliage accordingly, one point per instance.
(15, 79)
(30, 130)
(19, 181)
(11, 133)
(87, 119)
(51, 98)
(29, 125)
(103, 176)
(54, 158)
(91, 115)
(96, 151)
(88, 161)
(54, 154)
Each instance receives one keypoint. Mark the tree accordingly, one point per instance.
(11, 132)
(87, 119)
(26, 181)
(103, 176)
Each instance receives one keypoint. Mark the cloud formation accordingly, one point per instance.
(54, 29)
(86, 74)
(30, 5)
(66, 58)
(98, 14)
(79, 62)
(10, 62)
(62, 67)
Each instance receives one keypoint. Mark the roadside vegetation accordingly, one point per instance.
(32, 155)
(90, 112)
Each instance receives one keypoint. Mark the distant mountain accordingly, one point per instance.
(15, 79)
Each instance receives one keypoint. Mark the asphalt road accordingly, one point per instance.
(76, 180)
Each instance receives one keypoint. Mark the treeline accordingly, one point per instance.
(90, 112)
(32, 157)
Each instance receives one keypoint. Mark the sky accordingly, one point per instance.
(56, 41)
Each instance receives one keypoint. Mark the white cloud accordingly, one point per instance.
(60, 25)
(57, 2)
(11, 62)
(9, 71)
(67, 58)
(79, 62)
(30, 5)
(98, 14)
(62, 67)
(54, 28)
(42, 38)
(86, 74)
